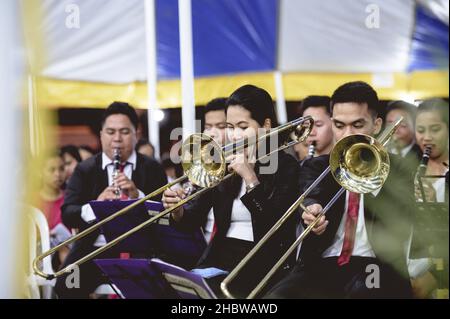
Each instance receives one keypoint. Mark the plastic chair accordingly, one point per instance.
(39, 222)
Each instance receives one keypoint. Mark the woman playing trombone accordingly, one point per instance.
(249, 203)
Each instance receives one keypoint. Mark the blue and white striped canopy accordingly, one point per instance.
(387, 39)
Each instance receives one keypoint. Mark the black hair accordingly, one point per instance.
(217, 104)
(356, 92)
(435, 105)
(316, 101)
(255, 100)
(121, 108)
(72, 150)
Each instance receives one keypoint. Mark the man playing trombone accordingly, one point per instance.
(356, 250)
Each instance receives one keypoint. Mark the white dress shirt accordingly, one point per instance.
(87, 214)
(241, 219)
(209, 225)
(403, 151)
(361, 246)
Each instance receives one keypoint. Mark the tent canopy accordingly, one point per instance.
(400, 47)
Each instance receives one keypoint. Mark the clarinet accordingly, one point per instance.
(422, 168)
(424, 161)
(311, 150)
(116, 171)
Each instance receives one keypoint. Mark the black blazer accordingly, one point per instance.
(388, 216)
(89, 180)
(415, 153)
(267, 202)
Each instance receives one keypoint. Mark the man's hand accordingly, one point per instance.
(107, 194)
(172, 197)
(309, 216)
(126, 185)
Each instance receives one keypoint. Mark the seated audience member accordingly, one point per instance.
(144, 147)
(71, 157)
(51, 197)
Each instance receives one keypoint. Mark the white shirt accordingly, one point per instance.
(361, 246)
(439, 187)
(209, 225)
(87, 214)
(404, 150)
(241, 219)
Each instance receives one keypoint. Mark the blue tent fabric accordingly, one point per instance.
(429, 47)
(229, 36)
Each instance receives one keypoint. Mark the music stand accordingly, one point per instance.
(158, 239)
(430, 232)
(141, 243)
(188, 285)
(136, 278)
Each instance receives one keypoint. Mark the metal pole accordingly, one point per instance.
(187, 68)
(152, 103)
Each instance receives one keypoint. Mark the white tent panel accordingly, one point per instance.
(332, 36)
(108, 46)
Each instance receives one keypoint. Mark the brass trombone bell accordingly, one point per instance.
(203, 160)
(359, 163)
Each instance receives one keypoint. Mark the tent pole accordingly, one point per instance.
(152, 102)
(281, 103)
(187, 67)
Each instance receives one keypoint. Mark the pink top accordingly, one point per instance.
(52, 210)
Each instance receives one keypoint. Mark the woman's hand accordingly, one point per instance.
(239, 163)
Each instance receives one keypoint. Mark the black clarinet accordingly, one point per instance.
(116, 171)
(421, 170)
(424, 161)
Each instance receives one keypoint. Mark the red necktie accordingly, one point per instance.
(213, 232)
(123, 196)
(350, 228)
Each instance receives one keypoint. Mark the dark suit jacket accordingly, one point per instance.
(387, 216)
(89, 180)
(267, 202)
(415, 153)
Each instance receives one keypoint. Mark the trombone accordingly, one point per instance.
(359, 163)
(204, 165)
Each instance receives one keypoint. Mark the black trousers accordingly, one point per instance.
(357, 279)
(226, 254)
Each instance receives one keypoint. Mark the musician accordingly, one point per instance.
(357, 249)
(215, 123)
(93, 180)
(431, 130)
(318, 107)
(246, 206)
(403, 141)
